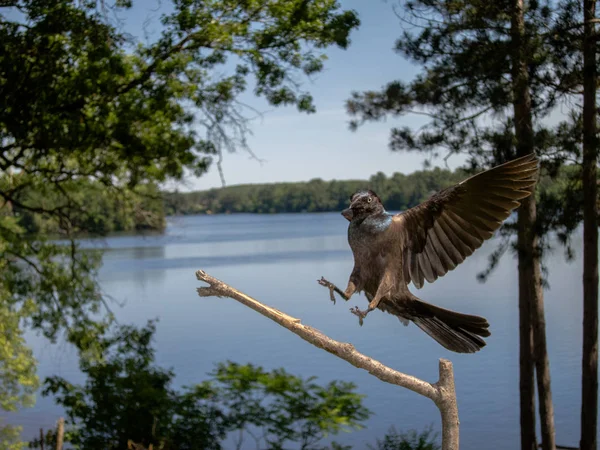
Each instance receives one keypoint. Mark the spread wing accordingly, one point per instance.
(442, 231)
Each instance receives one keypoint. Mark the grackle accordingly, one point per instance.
(426, 242)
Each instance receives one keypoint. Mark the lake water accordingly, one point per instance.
(277, 259)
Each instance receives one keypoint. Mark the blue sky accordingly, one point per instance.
(296, 146)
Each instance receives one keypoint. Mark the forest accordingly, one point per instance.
(397, 192)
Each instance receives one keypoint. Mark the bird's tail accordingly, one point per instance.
(461, 333)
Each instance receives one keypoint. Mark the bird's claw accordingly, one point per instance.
(328, 285)
(361, 314)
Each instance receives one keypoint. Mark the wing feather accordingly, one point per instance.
(442, 254)
(440, 233)
(448, 244)
(426, 267)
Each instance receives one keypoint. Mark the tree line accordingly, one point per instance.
(397, 192)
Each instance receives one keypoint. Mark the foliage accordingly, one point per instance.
(88, 111)
(103, 210)
(465, 87)
(285, 408)
(127, 397)
(10, 438)
(393, 440)
(18, 378)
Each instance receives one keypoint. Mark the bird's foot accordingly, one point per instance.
(360, 314)
(332, 288)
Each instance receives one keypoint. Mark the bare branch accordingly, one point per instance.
(28, 261)
(220, 168)
(442, 393)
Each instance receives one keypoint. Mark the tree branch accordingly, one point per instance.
(442, 393)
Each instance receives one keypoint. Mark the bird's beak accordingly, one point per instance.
(347, 213)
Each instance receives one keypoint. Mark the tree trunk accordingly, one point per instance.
(540, 351)
(589, 363)
(532, 327)
(522, 111)
(526, 367)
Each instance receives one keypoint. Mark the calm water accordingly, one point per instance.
(278, 259)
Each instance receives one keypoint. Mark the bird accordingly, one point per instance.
(426, 242)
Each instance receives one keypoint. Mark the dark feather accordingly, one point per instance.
(444, 230)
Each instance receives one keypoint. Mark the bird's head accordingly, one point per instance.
(363, 203)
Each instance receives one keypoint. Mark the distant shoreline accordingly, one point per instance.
(397, 192)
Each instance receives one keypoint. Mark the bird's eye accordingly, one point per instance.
(369, 199)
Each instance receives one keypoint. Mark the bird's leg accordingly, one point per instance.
(384, 288)
(333, 288)
(372, 305)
